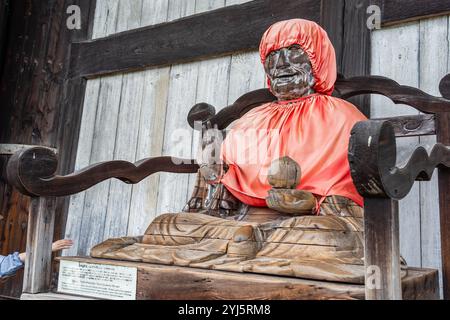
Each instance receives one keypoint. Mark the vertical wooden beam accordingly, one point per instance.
(356, 47)
(38, 262)
(71, 109)
(381, 250)
(443, 136)
(3, 32)
(332, 20)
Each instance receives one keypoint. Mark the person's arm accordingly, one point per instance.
(56, 246)
(10, 264)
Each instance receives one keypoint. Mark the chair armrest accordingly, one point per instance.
(33, 172)
(372, 158)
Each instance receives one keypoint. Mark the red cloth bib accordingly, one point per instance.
(313, 130)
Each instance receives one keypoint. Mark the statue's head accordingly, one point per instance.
(290, 73)
(298, 58)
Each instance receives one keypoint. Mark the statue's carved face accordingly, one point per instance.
(290, 73)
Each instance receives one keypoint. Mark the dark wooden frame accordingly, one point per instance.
(353, 59)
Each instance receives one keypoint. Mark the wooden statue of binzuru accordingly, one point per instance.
(283, 201)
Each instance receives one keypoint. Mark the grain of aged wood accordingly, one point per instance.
(4, 15)
(35, 104)
(443, 136)
(432, 56)
(41, 221)
(401, 42)
(399, 94)
(409, 126)
(332, 19)
(372, 157)
(10, 149)
(32, 171)
(382, 261)
(398, 11)
(244, 74)
(172, 283)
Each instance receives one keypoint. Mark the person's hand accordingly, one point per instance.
(22, 257)
(61, 245)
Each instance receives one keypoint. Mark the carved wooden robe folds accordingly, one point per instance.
(313, 247)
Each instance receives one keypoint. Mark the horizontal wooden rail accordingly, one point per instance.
(214, 33)
(217, 32)
(33, 172)
(412, 126)
(400, 11)
(345, 88)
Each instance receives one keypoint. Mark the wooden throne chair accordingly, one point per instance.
(374, 169)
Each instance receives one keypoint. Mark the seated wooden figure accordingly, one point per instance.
(280, 199)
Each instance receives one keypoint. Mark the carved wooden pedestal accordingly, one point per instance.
(160, 282)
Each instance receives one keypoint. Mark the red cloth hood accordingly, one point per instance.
(313, 40)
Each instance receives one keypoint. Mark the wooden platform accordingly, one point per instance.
(161, 282)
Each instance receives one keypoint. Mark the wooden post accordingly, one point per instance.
(443, 136)
(381, 251)
(41, 220)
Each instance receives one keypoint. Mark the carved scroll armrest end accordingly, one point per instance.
(27, 169)
(33, 172)
(373, 161)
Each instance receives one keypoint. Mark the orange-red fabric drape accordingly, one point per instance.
(313, 130)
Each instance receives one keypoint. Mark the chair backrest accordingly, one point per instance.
(424, 124)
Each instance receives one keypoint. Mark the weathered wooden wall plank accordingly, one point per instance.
(177, 136)
(246, 71)
(90, 146)
(151, 128)
(398, 11)
(395, 53)
(151, 134)
(86, 137)
(95, 203)
(126, 135)
(414, 54)
(434, 61)
(37, 274)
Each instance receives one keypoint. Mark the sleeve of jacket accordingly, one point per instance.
(10, 264)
